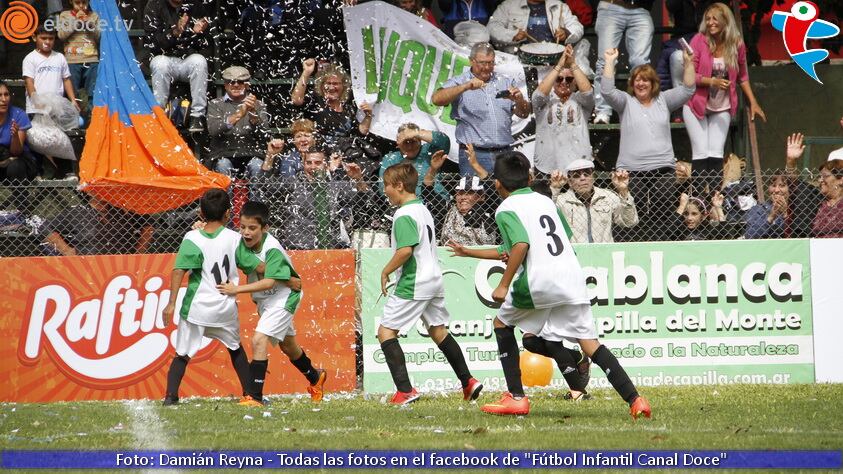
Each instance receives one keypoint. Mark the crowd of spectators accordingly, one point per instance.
(323, 185)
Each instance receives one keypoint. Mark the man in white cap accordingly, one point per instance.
(591, 211)
(236, 126)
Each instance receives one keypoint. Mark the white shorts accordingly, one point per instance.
(400, 314)
(189, 337)
(570, 322)
(276, 322)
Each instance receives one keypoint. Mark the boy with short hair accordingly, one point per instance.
(277, 295)
(210, 256)
(548, 300)
(46, 71)
(419, 290)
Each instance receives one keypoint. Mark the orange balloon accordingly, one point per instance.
(536, 370)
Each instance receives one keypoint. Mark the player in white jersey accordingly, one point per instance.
(277, 294)
(209, 256)
(419, 291)
(548, 300)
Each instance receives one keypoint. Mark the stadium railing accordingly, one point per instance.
(31, 211)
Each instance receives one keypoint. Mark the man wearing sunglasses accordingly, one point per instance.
(589, 210)
(562, 104)
(236, 127)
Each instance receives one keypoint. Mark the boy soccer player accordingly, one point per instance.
(419, 290)
(211, 256)
(548, 300)
(277, 295)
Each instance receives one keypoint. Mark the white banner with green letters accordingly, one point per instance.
(675, 313)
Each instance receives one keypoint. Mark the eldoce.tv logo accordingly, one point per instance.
(798, 26)
(18, 22)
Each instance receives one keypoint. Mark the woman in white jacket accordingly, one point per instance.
(510, 24)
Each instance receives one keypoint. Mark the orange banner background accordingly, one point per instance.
(88, 328)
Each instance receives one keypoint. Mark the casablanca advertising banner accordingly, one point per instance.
(398, 60)
(90, 328)
(677, 314)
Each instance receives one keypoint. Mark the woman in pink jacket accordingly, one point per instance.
(720, 65)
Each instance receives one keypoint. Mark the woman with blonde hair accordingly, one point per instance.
(720, 65)
(335, 116)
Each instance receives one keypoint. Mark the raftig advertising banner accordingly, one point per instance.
(678, 314)
(398, 60)
(90, 328)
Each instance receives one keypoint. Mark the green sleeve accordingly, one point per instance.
(245, 259)
(512, 231)
(568, 231)
(189, 257)
(277, 266)
(406, 232)
(440, 142)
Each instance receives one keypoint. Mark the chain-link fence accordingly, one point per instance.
(53, 218)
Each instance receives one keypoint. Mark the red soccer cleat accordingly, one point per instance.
(640, 406)
(405, 398)
(472, 390)
(508, 406)
(317, 390)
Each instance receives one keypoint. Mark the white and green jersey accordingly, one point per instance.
(551, 274)
(420, 278)
(212, 258)
(279, 267)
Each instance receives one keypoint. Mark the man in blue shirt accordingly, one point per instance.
(482, 104)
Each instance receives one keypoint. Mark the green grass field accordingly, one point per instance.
(702, 417)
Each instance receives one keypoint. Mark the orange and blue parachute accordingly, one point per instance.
(134, 158)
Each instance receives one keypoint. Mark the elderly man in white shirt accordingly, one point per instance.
(591, 211)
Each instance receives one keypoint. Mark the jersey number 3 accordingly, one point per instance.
(226, 267)
(555, 248)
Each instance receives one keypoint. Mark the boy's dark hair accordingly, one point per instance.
(256, 210)
(213, 204)
(512, 170)
(42, 29)
(403, 173)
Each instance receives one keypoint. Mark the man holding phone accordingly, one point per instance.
(482, 109)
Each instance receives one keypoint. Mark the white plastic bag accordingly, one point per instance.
(60, 109)
(47, 138)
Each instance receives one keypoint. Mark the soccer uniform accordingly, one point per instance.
(212, 258)
(548, 295)
(277, 305)
(419, 290)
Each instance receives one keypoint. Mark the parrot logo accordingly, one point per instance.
(797, 27)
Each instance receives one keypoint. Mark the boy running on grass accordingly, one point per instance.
(548, 300)
(419, 291)
(210, 256)
(277, 295)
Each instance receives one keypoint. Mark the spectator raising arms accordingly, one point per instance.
(793, 203)
(482, 104)
(700, 218)
(333, 113)
(646, 150)
(720, 65)
(589, 210)
(177, 35)
(562, 104)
